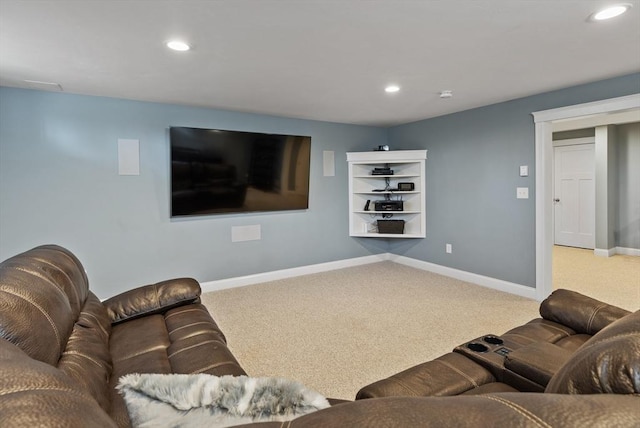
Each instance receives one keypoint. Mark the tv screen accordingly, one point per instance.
(215, 171)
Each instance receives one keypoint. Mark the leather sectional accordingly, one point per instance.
(62, 351)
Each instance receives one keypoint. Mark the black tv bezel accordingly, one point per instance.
(231, 211)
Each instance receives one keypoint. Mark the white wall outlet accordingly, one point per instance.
(522, 193)
(448, 249)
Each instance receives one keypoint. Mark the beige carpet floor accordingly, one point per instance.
(340, 330)
(615, 280)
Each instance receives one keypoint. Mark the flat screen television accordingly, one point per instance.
(215, 171)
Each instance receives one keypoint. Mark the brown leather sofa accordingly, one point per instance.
(524, 359)
(62, 351)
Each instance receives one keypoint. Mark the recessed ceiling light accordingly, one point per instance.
(446, 94)
(392, 88)
(610, 12)
(177, 45)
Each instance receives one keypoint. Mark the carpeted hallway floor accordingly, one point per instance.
(340, 330)
(615, 280)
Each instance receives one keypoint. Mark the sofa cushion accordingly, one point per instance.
(538, 330)
(86, 358)
(582, 313)
(609, 362)
(36, 394)
(183, 340)
(450, 374)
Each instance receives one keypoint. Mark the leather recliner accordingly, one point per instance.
(62, 350)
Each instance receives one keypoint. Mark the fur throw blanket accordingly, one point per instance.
(177, 400)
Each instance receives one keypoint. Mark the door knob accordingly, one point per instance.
(556, 200)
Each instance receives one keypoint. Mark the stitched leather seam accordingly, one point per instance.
(607, 339)
(192, 346)
(183, 312)
(155, 294)
(403, 385)
(137, 354)
(593, 315)
(521, 335)
(80, 354)
(46, 315)
(213, 366)
(89, 314)
(44, 278)
(31, 389)
(564, 332)
(533, 418)
(47, 262)
(473, 382)
(187, 326)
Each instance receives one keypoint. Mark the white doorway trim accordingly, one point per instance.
(544, 121)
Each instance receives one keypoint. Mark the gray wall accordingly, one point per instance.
(628, 173)
(472, 174)
(59, 184)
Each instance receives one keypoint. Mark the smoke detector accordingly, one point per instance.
(446, 94)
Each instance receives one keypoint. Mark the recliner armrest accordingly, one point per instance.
(537, 362)
(152, 299)
(579, 312)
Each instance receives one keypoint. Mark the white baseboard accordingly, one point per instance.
(617, 250)
(485, 281)
(628, 251)
(257, 278)
(603, 252)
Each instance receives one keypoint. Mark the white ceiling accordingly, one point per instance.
(316, 59)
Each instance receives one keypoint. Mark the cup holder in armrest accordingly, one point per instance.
(494, 340)
(477, 347)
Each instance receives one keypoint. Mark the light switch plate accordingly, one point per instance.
(524, 170)
(522, 193)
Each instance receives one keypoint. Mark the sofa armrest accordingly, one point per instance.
(537, 362)
(152, 299)
(450, 374)
(579, 312)
(489, 410)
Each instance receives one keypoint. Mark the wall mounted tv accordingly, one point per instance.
(219, 172)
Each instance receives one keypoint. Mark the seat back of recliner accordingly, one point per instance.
(47, 310)
(608, 363)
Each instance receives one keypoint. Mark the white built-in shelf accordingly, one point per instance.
(408, 167)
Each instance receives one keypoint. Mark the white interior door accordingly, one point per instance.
(575, 191)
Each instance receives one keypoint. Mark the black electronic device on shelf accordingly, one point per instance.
(405, 187)
(389, 205)
(382, 171)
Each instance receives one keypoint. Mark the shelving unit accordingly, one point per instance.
(408, 167)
